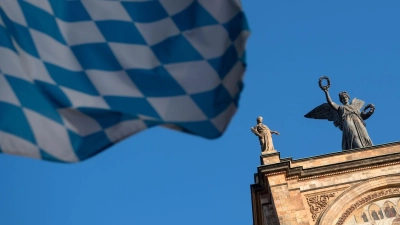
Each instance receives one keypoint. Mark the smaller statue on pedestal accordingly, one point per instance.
(264, 134)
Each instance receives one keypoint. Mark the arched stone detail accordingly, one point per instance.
(358, 195)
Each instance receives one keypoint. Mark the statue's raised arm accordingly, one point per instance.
(326, 91)
(347, 117)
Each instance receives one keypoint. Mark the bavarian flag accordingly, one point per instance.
(77, 76)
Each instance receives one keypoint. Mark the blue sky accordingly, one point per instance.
(162, 176)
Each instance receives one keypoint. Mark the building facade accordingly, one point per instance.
(351, 187)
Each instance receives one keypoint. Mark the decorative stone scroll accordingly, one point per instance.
(368, 198)
(318, 203)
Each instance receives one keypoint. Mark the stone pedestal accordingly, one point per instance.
(270, 157)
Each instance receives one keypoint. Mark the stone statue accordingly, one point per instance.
(264, 134)
(346, 117)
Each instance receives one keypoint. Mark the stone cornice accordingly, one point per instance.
(344, 167)
(343, 152)
(350, 166)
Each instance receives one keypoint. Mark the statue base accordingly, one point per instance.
(268, 152)
(270, 157)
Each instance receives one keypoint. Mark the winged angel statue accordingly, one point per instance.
(347, 117)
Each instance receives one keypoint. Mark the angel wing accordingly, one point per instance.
(357, 103)
(325, 112)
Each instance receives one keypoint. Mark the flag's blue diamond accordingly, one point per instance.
(129, 105)
(165, 85)
(89, 145)
(69, 11)
(192, 17)
(106, 118)
(120, 31)
(96, 56)
(76, 80)
(146, 11)
(31, 97)
(5, 39)
(19, 33)
(176, 49)
(78, 77)
(41, 20)
(213, 102)
(206, 127)
(16, 123)
(236, 26)
(225, 63)
(54, 94)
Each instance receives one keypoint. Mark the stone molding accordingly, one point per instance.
(351, 166)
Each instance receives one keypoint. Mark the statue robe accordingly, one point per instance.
(355, 134)
(265, 137)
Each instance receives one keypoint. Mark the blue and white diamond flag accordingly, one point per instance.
(78, 76)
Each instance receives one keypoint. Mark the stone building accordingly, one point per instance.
(350, 187)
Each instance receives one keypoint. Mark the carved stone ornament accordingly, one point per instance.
(318, 203)
(365, 200)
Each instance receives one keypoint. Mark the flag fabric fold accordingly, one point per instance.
(78, 76)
